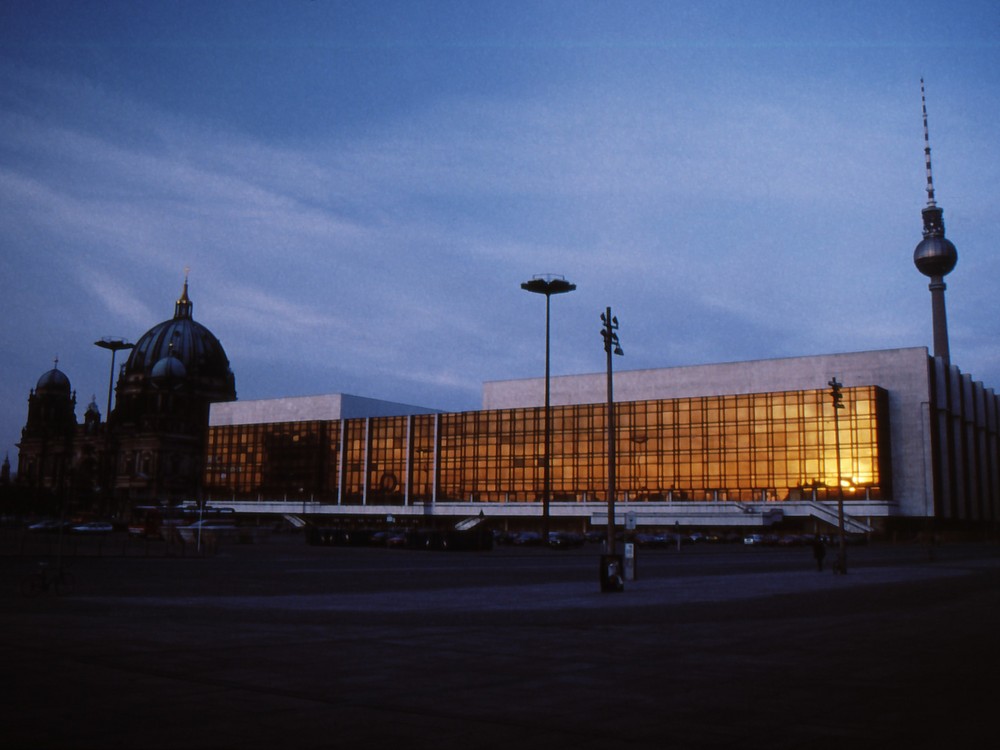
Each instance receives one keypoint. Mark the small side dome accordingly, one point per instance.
(54, 381)
(169, 372)
(93, 408)
(935, 256)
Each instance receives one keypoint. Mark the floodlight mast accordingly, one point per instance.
(114, 345)
(548, 285)
(837, 399)
(611, 347)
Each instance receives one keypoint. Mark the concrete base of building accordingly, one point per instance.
(859, 516)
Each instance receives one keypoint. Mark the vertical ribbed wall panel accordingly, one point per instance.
(966, 446)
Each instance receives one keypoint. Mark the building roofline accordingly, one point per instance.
(624, 371)
(324, 407)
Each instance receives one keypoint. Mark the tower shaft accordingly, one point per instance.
(940, 315)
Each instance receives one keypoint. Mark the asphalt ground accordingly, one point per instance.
(284, 645)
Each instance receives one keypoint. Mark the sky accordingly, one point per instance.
(360, 188)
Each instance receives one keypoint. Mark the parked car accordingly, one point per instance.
(794, 540)
(208, 530)
(565, 539)
(396, 540)
(643, 539)
(93, 527)
(753, 539)
(656, 540)
(48, 525)
(503, 537)
(528, 539)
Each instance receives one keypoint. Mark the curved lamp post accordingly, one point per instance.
(114, 345)
(547, 285)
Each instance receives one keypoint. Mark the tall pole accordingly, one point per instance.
(611, 346)
(838, 404)
(546, 470)
(111, 381)
(547, 285)
(611, 452)
(115, 346)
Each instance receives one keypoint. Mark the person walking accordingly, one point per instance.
(819, 552)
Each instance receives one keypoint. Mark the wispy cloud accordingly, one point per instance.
(117, 298)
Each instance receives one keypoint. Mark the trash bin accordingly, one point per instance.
(612, 573)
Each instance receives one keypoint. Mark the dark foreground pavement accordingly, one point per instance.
(281, 645)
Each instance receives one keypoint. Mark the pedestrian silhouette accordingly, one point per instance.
(819, 552)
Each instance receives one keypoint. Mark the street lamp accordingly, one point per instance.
(547, 285)
(115, 345)
(838, 403)
(611, 346)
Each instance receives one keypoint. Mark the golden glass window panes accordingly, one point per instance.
(727, 447)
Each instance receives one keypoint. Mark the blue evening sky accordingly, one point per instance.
(359, 188)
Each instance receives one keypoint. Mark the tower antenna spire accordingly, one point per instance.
(935, 256)
(927, 148)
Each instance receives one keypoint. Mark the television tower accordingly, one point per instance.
(935, 256)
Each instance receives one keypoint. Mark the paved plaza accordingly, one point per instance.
(284, 645)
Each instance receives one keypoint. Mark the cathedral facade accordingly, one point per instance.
(150, 448)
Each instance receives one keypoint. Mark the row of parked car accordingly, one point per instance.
(557, 539)
(672, 539)
(87, 527)
(410, 539)
(427, 539)
(443, 539)
(800, 540)
(663, 539)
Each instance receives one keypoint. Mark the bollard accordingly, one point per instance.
(612, 573)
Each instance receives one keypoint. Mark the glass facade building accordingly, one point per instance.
(772, 446)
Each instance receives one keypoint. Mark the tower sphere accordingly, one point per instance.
(935, 256)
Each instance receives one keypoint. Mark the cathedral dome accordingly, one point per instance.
(54, 381)
(189, 344)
